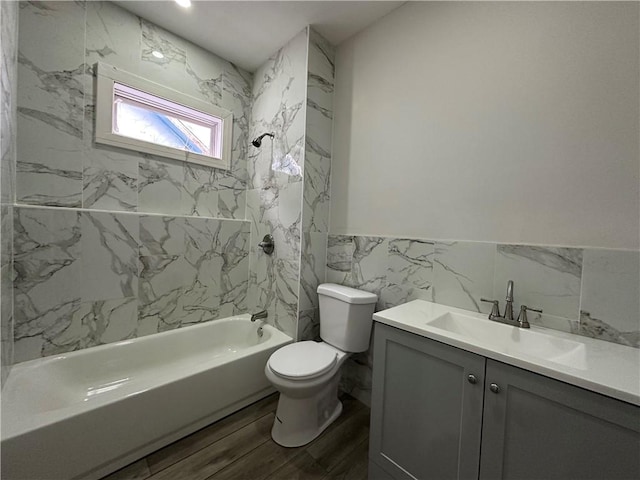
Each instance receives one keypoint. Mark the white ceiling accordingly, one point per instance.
(249, 32)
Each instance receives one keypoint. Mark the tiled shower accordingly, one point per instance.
(110, 244)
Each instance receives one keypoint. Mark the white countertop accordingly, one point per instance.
(603, 367)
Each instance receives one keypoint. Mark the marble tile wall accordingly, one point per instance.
(59, 44)
(316, 186)
(8, 126)
(111, 244)
(85, 278)
(275, 181)
(591, 292)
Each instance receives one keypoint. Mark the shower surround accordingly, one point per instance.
(112, 244)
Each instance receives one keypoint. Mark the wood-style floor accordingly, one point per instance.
(240, 447)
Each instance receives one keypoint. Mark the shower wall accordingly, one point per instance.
(274, 195)
(317, 174)
(8, 85)
(111, 244)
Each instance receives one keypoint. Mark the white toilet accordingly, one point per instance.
(307, 373)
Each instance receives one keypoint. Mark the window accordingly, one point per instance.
(139, 115)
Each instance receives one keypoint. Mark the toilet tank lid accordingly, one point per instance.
(347, 294)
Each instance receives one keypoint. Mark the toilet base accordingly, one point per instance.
(300, 420)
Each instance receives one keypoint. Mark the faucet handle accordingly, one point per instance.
(522, 318)
(495, 310)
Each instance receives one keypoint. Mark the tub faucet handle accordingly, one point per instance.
(259, 315)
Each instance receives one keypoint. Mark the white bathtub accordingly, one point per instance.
(88, 413)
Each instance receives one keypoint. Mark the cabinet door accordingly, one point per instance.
(425, 414)
(535, 427)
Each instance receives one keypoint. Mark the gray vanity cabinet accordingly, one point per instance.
(430, 420)
(426, 414)
(539, 428)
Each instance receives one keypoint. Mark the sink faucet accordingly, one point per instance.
(507, 318)
(508, 309)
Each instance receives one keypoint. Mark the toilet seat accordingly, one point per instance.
(303, 360)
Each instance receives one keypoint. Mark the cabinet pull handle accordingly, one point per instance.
(472, 379)
(494, 388)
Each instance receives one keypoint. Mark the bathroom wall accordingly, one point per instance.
(110, 244)
(480, 142)
(8, 86)
(317, 174)
(506, 122)
(275, 186)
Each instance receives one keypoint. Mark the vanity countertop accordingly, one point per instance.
(596, 365)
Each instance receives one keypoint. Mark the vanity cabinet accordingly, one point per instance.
(439, 412)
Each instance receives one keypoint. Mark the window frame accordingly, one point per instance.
(107, 75)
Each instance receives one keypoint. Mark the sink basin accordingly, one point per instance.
(513, 340)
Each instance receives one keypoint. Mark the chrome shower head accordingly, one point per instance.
(257, 142)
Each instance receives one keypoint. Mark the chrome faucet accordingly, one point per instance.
(507, 318)
(259, 315)
(508, 309)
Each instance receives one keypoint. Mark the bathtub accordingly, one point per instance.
(88, 413)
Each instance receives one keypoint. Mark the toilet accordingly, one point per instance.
(307, 373)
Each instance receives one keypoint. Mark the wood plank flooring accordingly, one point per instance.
(240, 447)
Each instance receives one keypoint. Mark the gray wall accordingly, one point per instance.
(505, 122)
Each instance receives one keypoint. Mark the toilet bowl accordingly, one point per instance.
(307, 373)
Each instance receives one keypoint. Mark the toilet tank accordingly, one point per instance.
(346, 316)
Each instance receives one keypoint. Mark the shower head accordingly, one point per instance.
(258, 141)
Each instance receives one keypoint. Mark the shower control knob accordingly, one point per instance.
(472, 379)
(494, 388)
(267, 244)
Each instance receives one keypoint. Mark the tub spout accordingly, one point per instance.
(259, 315)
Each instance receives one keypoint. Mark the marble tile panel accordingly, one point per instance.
(110, 180)
(321, 57)
(109, 265)
(50, 103)
(279, 105)
(409, 273)
(48, 276)
(317, 191)
(359, 262)
(200, 191)
(463, 273)
(6, 316)
(610, 301)
(171, 70)
(544, 277)
(204, 74)
(309, 325)
(162, 235)
(274, 279)
(113, 36)
(160, 186)
(237, 97)
(8, 97)
(232, 203)
(6, 234)
(93, 324)
(163, 280)
(49, 170)
(312, 268)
